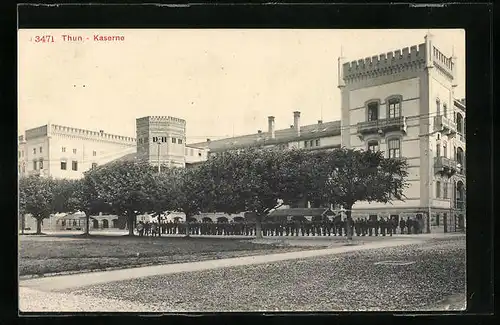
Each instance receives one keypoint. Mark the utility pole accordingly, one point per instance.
(159, 164)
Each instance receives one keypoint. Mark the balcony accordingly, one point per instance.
(445, 125)
(382, 126)
(445, 166)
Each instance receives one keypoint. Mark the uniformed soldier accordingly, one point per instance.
(409, 225)
(390, 227)
(357, 227)
(383, 226)
(376, 226)
(402, 226)
(394, 225)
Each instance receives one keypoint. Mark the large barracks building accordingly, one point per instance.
(401, 103)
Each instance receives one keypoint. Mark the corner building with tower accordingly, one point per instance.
(403, 103)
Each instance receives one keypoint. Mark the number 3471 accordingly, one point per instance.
(44, 39)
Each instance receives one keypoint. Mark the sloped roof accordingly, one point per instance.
(301, 212)
(311, 131)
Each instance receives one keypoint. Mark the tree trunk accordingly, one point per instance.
(349, 222)
(131, 217)
(258, 226)
(87, 226)
(23, 223)
(186, 228)
(39, 226)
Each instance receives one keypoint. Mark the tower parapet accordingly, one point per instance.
(409, 58)
(91, 135)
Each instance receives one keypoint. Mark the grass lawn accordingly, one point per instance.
(39, 255)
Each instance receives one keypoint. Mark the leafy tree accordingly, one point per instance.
(250, 181)
(127, 186)
(86, 199)
(348, 176)
(194, 191)
(36, 195)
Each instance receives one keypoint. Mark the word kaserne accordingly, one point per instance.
(106, 38)
(96, 38)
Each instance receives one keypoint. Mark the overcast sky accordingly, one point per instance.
(222, 82)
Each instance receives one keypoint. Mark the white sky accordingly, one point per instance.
(217, 80)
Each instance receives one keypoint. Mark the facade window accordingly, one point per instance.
(94, 165)
(445, 150)
(311, 143)
(139, 140)
(394, 148)
(373, 146)
(394, 108)
(34, 151)
(94, 153)
(163, 139)
(155, 139)
(372, 111)
(63, 149)
(74, 151)
(34, 164)
(174, 140)
(306, 143)
(438, 150)
(438, 107)
(317, 142)
(445, 190)
(74, 165)
(199, 154)
(41, 149)
(438, 189)
(179, 141)
(445, 110)
(63, 165)
(41, 163)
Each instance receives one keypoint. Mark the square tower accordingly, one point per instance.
(402, 103)
(161, 140)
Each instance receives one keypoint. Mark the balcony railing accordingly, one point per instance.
(445, 165)
(445, 125)
(382, 125)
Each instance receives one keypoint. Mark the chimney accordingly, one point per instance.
(291, 126)
(270, 123)
(208, 140)
(296, 122)
(101, 131)
(320, 121)
(259, 131)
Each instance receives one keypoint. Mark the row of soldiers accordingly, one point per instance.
(336, 227)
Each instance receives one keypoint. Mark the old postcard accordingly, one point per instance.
(213, 170)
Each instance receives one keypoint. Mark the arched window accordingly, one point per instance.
(445, 149)
(438, 107)
(438, 189)
(372, 111)
(394, 107)
(394, 148)
(438, 149)
(460, 121)
(460, 155)
(445, 110)
(373, 145)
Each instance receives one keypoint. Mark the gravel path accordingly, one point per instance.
(355, 281)
(51, 301)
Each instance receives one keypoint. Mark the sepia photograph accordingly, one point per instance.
(241, 170)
